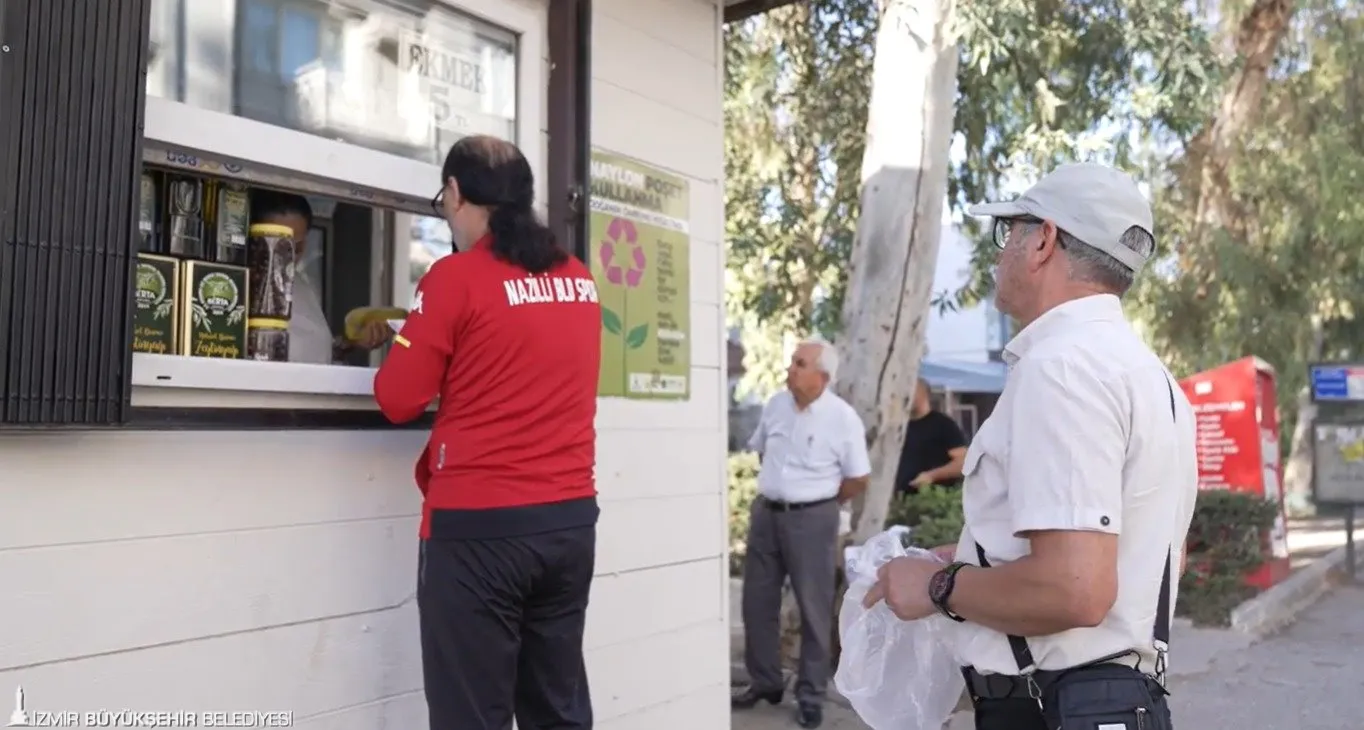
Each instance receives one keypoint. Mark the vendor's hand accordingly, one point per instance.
(373, 335)
(924, 479)
(903, 584)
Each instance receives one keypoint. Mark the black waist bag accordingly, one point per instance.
(1102, 695)
(1106, 697)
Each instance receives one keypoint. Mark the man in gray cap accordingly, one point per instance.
(1078, 489)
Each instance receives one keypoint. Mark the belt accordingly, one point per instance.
(1014, 687)
(777, 505)
(1006, 686)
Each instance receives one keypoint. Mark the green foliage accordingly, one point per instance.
(933, 514)
(796, 89)
(1226, 543)
(1039, 83)
(1044, 83)
(743, 487)
(1284, 280)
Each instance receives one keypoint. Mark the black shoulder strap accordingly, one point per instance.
(1018, 644)
(1160, 631)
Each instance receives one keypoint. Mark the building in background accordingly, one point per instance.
(971, 334)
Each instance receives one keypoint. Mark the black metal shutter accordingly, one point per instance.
(72, 81)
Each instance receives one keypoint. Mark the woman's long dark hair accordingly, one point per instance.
(493, 174)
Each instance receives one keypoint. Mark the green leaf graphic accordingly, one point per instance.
(637, 336)
(610, 321)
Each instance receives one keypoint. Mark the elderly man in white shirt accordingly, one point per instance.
(814, 457)
(1079, 487)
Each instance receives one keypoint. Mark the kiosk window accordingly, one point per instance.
(230, 270)
(408, 78)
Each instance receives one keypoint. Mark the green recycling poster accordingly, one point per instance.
(639, 241)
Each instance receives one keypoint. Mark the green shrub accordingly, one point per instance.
(933, 515)
(743, 487)
(1226, 543)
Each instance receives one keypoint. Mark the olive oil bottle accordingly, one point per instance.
(227, 215)
(184, 206)
(148, 222)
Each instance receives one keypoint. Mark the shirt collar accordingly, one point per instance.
(813, 405)
(1094, 308)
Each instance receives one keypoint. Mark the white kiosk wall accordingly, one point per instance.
(275, 570)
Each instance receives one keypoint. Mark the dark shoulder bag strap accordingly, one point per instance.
(1160, 632)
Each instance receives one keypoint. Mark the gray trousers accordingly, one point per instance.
(803, 545)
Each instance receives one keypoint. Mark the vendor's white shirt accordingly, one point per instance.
(310, 337)
(1082, 438)
(808, 453)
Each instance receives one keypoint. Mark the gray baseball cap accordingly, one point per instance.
(1094, 203)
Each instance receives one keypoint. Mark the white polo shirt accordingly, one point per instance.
(1082, 438)
(807, 454)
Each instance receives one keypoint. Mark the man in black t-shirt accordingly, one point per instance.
(934, 447)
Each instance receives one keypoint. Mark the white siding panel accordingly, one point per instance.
(627, 678)
(705, 335)
(394, 713)
(163, 590)
(644, 533)
(632, 466)
(629, 607)
(618, 58)
(62, 488)
(690, 25)
(312, 668)
(708, 215)
(706, 708)
(638, 126)
(707, 281)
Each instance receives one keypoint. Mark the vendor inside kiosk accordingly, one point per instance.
(232, 270)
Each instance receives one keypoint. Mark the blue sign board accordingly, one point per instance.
(1337, 382)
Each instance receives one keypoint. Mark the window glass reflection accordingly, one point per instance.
(257, 44)
(428, 241)
(409, 79)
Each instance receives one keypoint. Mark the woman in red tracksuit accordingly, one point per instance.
(507, 334)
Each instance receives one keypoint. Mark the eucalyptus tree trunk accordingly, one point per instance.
(1254, 43)
(904, 187)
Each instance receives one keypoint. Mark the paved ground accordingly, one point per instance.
(767, 717)
(1307, 678)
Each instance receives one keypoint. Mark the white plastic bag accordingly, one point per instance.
(898, 675)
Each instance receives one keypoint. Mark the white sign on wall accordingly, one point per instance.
(454, 83)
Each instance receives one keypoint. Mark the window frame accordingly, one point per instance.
(409, 183)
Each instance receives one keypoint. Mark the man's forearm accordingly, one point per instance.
(850, 488)
(1019, 598)
(946, 472)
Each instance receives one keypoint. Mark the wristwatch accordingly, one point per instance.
(940, 589)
